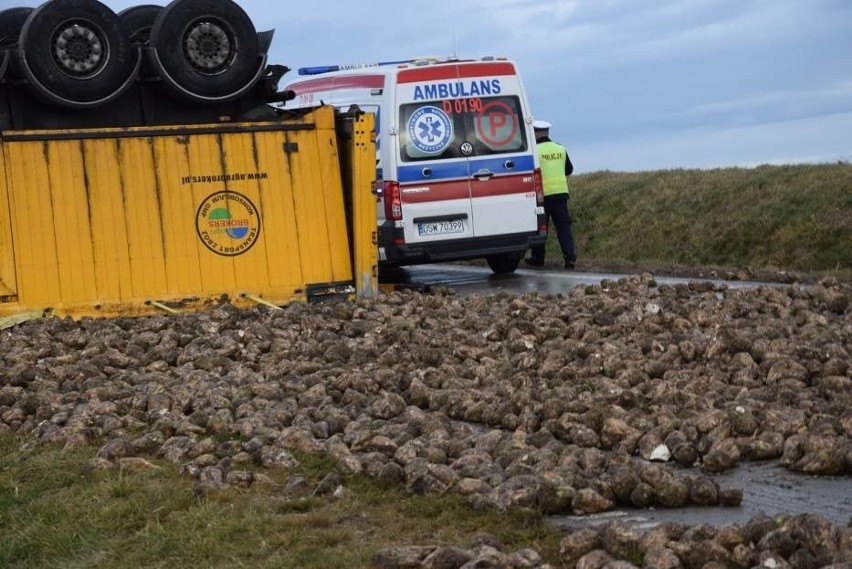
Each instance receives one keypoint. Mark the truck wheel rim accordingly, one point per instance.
(208, 46)
(79, 49)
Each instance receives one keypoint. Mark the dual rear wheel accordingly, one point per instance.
(75, 52)
(79, 53)
(206, 49)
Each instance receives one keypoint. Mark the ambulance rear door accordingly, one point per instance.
(466, 161)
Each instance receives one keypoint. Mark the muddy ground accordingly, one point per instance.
(627, 394)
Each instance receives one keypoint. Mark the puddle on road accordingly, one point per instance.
(767, 488)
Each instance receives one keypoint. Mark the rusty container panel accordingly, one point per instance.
(119, 220)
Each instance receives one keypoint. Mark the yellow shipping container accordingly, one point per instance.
(128, 221)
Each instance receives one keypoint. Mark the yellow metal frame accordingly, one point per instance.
(360, 167)
(8, 283)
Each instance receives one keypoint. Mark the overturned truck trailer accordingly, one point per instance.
(143, 167)
(78, 64)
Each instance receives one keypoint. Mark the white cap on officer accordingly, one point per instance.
(541, 125)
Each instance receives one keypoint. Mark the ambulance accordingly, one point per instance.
(457, 174)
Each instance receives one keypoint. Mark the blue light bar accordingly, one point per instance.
(329, 68)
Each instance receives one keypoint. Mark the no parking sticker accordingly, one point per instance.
(497, 125)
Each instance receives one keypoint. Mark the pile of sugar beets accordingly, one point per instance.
(605, 397)
(575, 403)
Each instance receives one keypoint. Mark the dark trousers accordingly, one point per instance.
(556, 210)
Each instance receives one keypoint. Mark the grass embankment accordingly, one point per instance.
(54, 515)
(770, 218)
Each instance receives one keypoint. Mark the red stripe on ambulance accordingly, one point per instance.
(462, 189)
(342, 82)
(442, 72)
(435, 192)
(502, 186)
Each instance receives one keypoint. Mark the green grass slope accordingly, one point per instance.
(796, 218)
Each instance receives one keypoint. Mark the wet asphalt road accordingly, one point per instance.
(469, 280)
(767, 487)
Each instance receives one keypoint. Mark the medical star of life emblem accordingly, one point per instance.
(430, 130)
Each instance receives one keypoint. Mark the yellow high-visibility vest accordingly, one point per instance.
(552, 157)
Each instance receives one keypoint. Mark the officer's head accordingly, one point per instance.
(541, 129)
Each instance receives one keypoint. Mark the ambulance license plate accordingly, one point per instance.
(440, 227)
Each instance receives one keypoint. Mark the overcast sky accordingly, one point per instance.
(628, 84)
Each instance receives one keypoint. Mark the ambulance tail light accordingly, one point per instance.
(393, 201)
(538, 185)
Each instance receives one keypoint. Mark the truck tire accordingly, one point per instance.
(504, 263)
(75, 52)
(207, 48)
(138, 21)
(11, 22)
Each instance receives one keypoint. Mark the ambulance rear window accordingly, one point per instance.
(438, 129)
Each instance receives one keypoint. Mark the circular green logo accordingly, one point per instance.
(227, 223)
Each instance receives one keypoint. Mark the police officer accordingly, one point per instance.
(555, 168)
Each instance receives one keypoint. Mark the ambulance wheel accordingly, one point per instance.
(76, 51)
(504, 263)
(11, 22)
(138, 21)
(208, 47)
